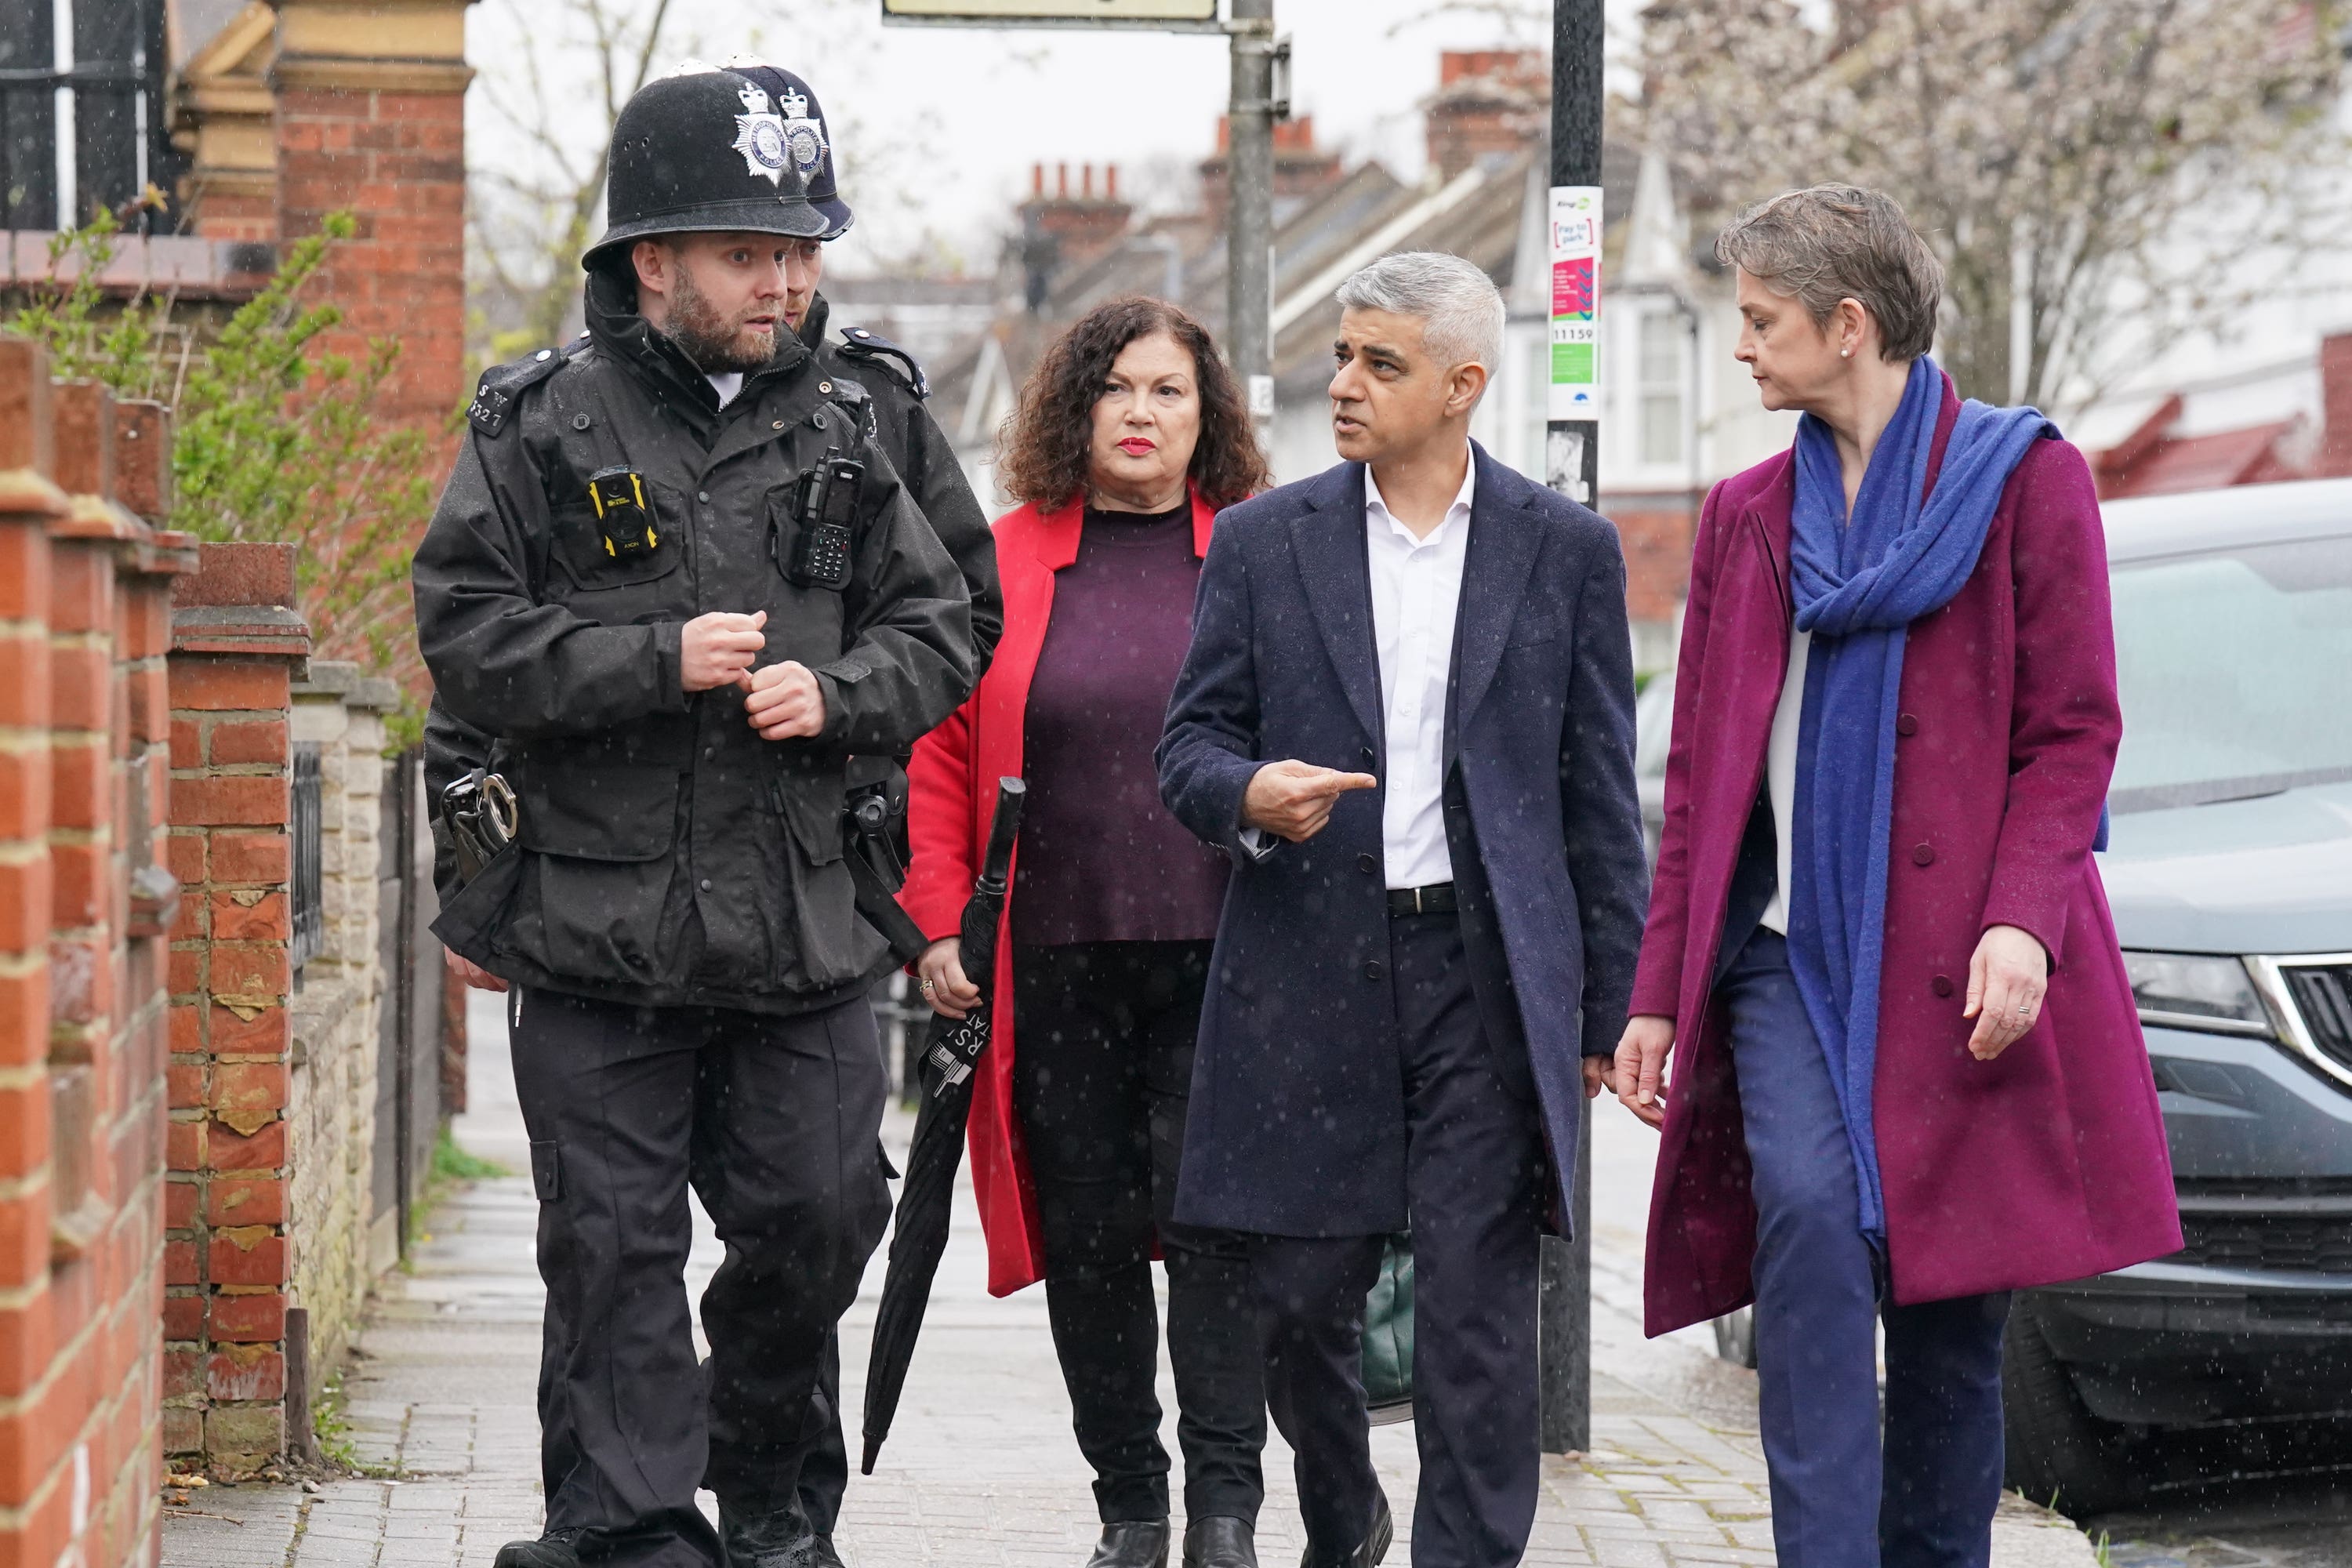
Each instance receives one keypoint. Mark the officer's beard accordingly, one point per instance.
(716, 343)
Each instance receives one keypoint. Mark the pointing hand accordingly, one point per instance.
(1294, 800)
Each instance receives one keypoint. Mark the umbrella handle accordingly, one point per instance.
(1012, 796)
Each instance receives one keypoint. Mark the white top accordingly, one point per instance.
(728, 385)
(1416, 599)
(1781, 774)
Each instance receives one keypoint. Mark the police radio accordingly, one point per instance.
(824, 505)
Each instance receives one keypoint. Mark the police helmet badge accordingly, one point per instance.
(804, 137)
(762, 136)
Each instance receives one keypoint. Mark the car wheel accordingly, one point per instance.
(2059, 1454)
(1735, 1337)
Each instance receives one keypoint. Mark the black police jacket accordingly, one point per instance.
(926, 463)
(667, 854)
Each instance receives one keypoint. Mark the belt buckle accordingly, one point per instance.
(1417, 892)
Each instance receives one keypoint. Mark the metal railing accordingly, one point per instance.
(83, 121)
(308, 894)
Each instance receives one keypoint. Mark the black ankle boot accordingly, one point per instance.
(780, 1540)
(1219, 1541)
(824, 1555)
(1132, 1543)
(1368, 1554)
(556, 1548)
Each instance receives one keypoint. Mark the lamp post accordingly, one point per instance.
(1249, 228)
(1572, 467)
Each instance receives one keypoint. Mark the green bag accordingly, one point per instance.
(1387, 1336)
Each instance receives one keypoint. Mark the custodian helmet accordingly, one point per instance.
(713, 151)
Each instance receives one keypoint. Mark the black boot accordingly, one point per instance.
(1368, 1555)
(1219, 1541)
(556, 1548)
(1132, 1543)
(780, 1540)
(824, 1555)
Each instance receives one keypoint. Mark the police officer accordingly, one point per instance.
(677, 578)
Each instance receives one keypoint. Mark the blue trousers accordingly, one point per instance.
(1923, 1495)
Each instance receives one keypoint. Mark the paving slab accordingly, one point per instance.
(981, 1470)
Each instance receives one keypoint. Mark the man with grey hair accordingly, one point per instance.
(1408, 714)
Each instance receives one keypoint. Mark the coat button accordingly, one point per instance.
(1368, 758)
(1906, 723)
(702, 495)
(1941, 985)
(1373, 971)
(579, 421)
(706, 884)
(1367, 864)
(1923, 854)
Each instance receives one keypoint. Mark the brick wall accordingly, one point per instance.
(341, 1242)
(1657, 532)
(85, 584)
(273, 1069)
(384, 139)
(236, 642)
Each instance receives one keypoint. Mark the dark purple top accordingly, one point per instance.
(1101, 859)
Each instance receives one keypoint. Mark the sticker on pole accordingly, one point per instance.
(1575, 303)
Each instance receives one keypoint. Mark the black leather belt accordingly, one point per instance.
(1437, 898)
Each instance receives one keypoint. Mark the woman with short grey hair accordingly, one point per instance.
(1909, 1077)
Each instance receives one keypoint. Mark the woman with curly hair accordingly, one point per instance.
(1129, 437)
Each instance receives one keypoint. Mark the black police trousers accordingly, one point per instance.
(775, 1122)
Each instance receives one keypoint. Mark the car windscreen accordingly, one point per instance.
(2232, 666)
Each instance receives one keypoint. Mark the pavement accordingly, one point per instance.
(981, 1470)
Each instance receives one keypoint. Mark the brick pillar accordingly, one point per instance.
(82, 905)
(2335, 396)
(236, 640)
(372, 118)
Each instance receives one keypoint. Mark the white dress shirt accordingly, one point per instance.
(1781, 776)
(1416, 599)
(728, 384)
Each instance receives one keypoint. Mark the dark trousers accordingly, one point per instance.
(775, 1122)
(1103, 1066)
(1474, 1177)
(1842, 1497)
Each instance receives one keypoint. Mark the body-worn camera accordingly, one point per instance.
(622, 514)
(824, 509)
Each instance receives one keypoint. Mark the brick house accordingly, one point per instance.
(209, 869)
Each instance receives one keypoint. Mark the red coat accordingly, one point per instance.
(2048, 1163)
(953, 790)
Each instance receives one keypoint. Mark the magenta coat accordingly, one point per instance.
(2048, 1163)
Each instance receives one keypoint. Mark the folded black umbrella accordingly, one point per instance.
(919, 1232)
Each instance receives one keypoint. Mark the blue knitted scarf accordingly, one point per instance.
(1859, 585)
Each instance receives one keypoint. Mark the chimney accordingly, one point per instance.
(1063, 231)
(2336, 401)
(1301, 169)
(1488, 100)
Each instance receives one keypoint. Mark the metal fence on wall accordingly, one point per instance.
(410, 1018)
(307, 895)
(83, 121)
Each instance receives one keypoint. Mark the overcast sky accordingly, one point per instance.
(953, 118)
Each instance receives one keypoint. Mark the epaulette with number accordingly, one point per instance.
(860, 344)
(494, 399)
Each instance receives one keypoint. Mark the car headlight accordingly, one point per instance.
(2196, 991)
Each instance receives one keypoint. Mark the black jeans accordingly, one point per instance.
(775, 1122)
(1102, 1066)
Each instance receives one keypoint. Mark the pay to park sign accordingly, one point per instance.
(1575, 303)
(1052, 13)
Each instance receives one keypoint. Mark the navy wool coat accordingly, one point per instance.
(1297, 1122)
